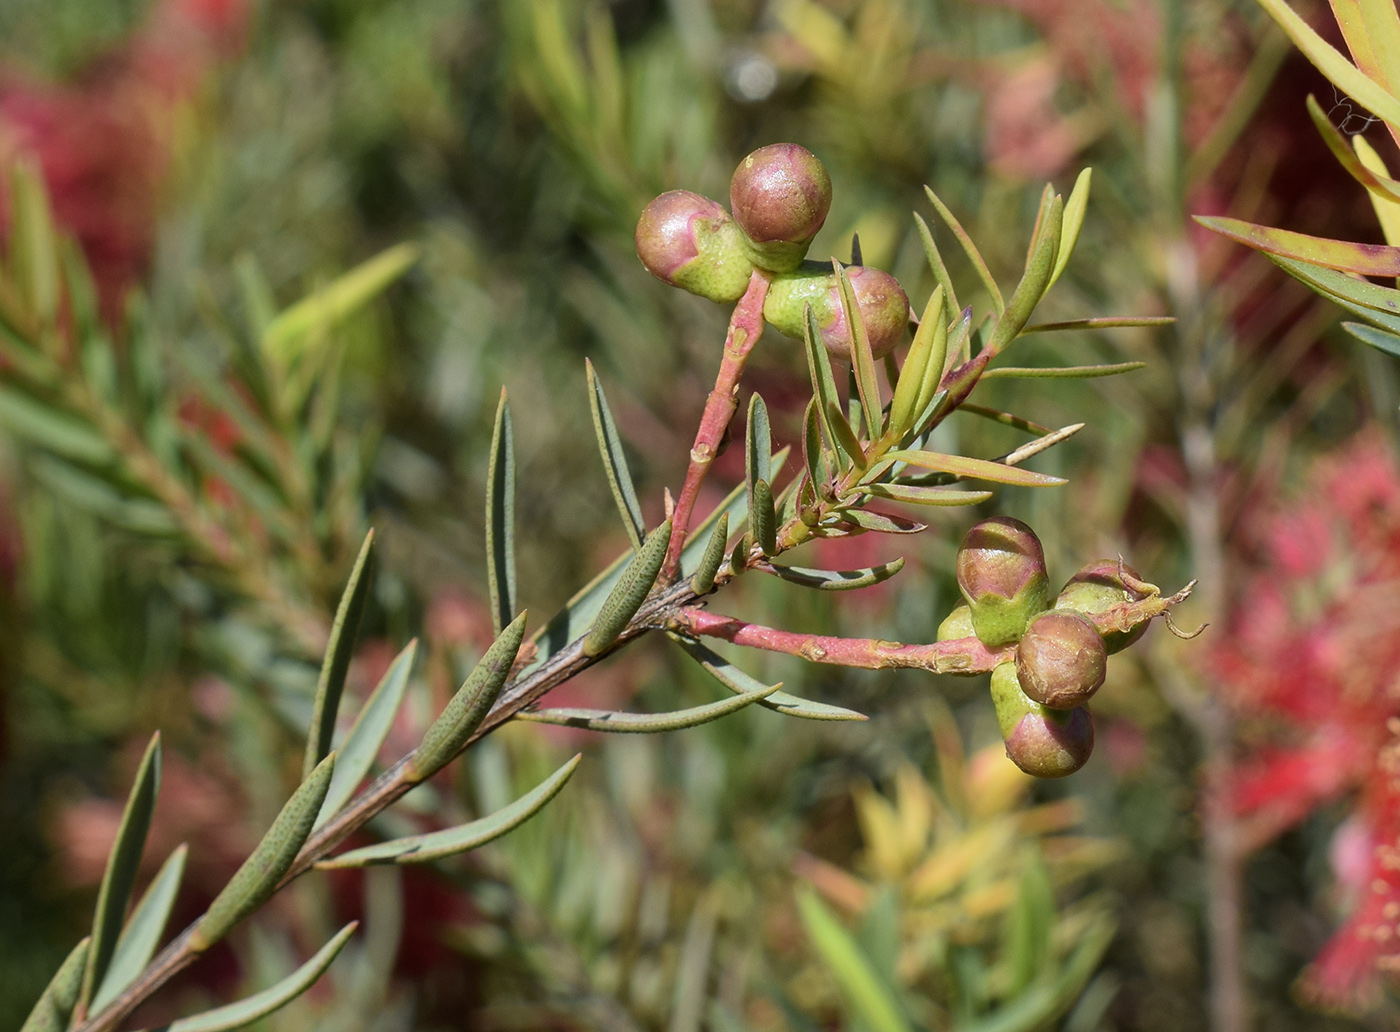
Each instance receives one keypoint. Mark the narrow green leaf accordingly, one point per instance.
(1102, 323)
(55, 1005)
(845, 436)
(1034, 283)
(257, 879)
(926, 495)
(291, 332)
(763, 518)
(139, 940)
(448, 734)
(122, 864)
(1030, 922)
(1342, 288)
(740, 683)
(500, 518)
(703, 580)
(629, 593)
(935, 262)
(614, 461)
(1061, 372)
(52, 428)
(974, 255)
(1362, 259)
(927, 352)
(645, 723)
(33, 244)
(758, 448)
(960, 340)
(862, 358)
(927, 415)
(339, 651)
(814, 451)
(835, 580)
(1380, 339)
(1345, 75)
(867, 995)
(819, 368)
(976, 469)
(98, 496)
(417, 849)
(882, 522)
(1075, 208)
(1005, 418)
(245, 1012)
(356, 754)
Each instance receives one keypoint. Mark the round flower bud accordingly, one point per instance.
(884, 308)
(780, 195)
(1001, 574)
(1043, 742)
(1097, 587)
(1061, 660)
(690, 242)
(957, 624)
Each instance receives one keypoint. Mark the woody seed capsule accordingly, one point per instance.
(1097, 587)
(1001, 574)
(884, 308)
(1043, 742)
(780, 195)
(689, 241)
(1061, 660)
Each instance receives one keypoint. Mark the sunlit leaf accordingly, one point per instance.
(935, 262)
(1072, 223)
(882, 522)
(1034, 283)
(927, 352)
(1387, 208)
(845, 436)
(417, 849)
(819, 368)
(862, 358)
(628, 593)
(1106, 322)
(1376, 182)
(976, 469)
(970, 249)
(1363, 259)
(1062, 372)
(926, 495)
(1005, 418)
(645, 723)
(289, 334)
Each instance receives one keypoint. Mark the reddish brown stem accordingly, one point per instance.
(745, 327)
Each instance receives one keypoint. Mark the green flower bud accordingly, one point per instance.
(1061, 660)
(884, 308)
(1001, 573)
(1097, 587)
(957, 624)
(780, 195)
(690, 242)
(1043, 742)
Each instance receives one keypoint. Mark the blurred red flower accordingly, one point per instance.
(1311, 663)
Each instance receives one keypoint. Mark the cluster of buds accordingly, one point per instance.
(779, 197)
(1042, 689)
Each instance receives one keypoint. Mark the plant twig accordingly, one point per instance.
(745, 327)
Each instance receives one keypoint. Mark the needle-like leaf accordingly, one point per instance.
(646, 723)
(974, 255)
(500, 518)
(614, 461)
(740, 683)
(1061, 372)
(915, 495)
(819, 368)
(835, 580)
(628, 593)
(935, 262)
(139, 940)
(1034, 283)
(976, 469)
(862, 358)
(339, 651)
(1362, 259)
(417, 849)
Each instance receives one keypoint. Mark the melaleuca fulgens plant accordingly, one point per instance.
(861, 450)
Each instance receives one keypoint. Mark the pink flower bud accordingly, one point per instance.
(1061, 660)
(780, 195)
(883, 307)
(1097, 587)
(957, 624)
(1001, 574)
(689, 241)
(1043, 742)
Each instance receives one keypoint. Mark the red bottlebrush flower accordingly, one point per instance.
(1309, 662)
